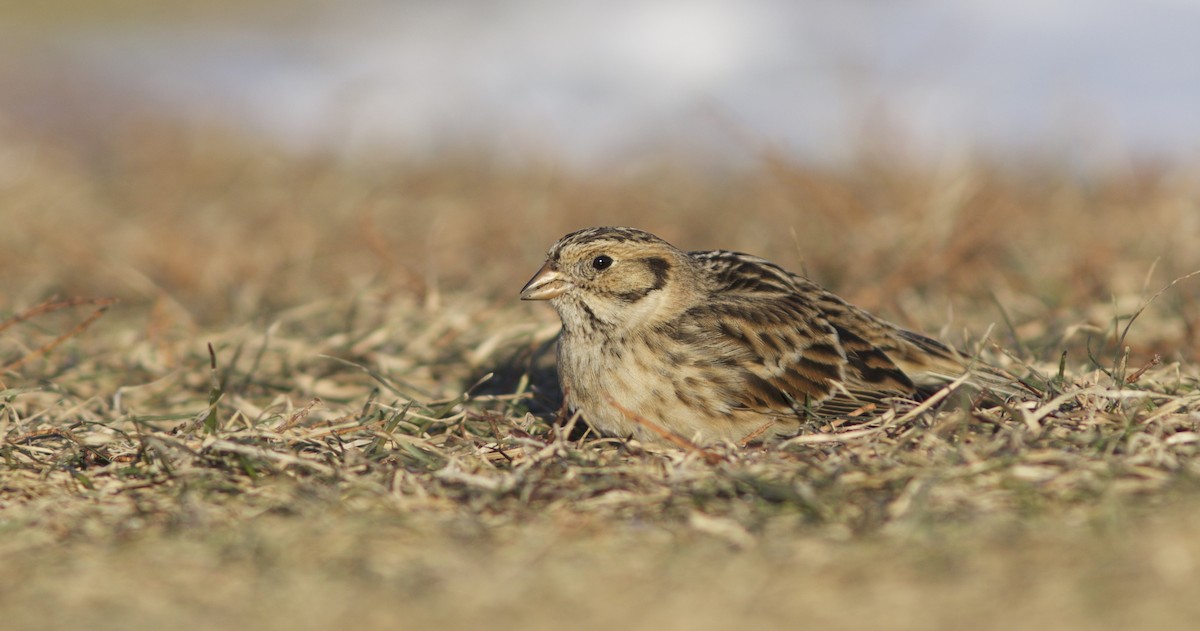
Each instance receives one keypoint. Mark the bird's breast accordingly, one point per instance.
(620, 385)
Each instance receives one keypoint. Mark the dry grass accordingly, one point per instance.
(375, 438)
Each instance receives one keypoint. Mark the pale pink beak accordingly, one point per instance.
(547, 283)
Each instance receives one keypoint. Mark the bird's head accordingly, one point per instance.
(612, 277)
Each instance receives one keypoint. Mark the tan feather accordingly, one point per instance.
(714, 344)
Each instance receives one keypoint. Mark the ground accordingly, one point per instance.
(245, 388)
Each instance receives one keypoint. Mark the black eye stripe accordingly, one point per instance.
(602, 262)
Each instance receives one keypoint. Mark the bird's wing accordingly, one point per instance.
(926, 362)
(797, 345)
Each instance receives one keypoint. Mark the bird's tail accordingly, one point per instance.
(938, 364)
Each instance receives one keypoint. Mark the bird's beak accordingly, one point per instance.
(547, 283)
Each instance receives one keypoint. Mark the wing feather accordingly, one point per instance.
(791, 335)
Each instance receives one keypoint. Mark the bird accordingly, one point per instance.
(706, 346)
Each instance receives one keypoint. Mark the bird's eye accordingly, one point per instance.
(602, 262)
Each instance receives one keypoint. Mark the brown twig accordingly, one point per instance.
(754, 435)
(299, 415)
(664, 433)
(1154, 361)
(50, 306)
(380, 248)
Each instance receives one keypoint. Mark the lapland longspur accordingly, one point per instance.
(718, 345)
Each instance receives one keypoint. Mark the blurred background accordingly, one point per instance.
(1093, 82)
(925, 158)
(302, 181)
